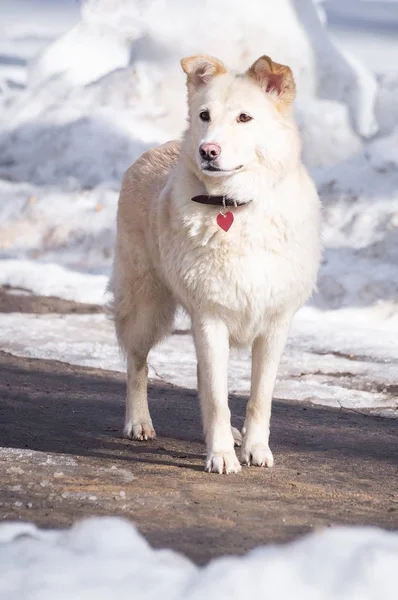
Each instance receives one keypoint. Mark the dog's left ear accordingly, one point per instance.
(274, 78)
(201, 69)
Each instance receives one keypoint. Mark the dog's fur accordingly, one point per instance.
(240, 287)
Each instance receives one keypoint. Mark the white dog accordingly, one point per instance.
(226, 224)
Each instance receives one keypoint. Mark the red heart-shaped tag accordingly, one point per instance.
(225, 221)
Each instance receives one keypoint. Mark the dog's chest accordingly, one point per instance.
(241, 275)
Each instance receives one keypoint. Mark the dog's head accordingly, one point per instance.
(238, 120)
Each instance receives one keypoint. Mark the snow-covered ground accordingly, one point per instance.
(336, 358)
(100, 558)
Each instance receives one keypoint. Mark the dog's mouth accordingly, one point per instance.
(213, 169)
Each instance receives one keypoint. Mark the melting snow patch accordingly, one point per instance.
(343, 358)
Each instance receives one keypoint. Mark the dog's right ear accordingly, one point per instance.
(201, 69)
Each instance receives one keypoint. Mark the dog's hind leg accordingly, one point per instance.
(137, 422)
(141, 322)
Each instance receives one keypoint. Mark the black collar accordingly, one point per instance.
(218, 201)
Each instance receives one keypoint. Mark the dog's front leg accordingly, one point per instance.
(212, 349)
(266, 355)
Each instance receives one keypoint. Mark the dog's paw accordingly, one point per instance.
(222, 462)
(141, 431)
(258, 455)
(236, 434)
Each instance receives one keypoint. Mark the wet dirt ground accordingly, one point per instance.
(63, 458)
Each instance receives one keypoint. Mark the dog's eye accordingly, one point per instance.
(205, 115)
(244, 118)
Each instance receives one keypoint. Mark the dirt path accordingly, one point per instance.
(21, 300)
(332, 467)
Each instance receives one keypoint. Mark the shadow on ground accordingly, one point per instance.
(332, 467)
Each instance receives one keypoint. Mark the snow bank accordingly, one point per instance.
(50, 279)
(112, 86)
(360, 199)
(103, 557)
(76, 229)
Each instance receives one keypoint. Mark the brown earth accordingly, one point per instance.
(21, 300)
(331, 466)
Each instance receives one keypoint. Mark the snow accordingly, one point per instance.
(100, 557)
(112, 85)
(53, 280)
(336, 358)
(360, 228)
(24, 34)
(351, 22)
(83, 93)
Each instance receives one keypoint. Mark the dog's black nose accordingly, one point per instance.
(209, 151)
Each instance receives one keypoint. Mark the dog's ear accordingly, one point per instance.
(201, 69)
(274, 78)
